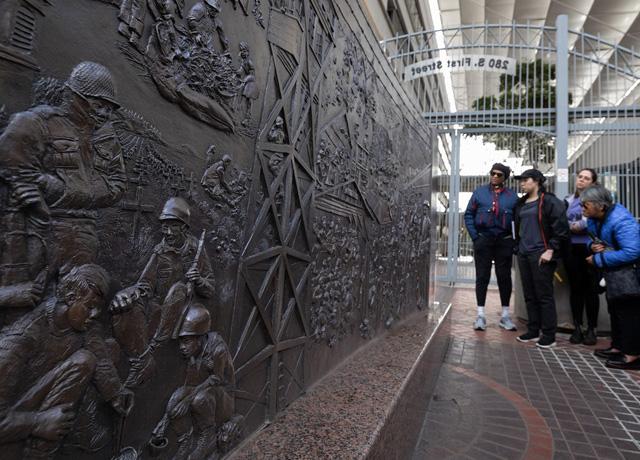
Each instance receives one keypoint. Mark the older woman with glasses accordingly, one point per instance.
(583, 278)
(616, 242)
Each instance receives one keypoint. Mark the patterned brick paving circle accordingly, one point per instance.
(515, 401)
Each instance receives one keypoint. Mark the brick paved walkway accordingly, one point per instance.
(499, 399)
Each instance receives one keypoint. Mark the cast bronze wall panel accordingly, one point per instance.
(205, 205)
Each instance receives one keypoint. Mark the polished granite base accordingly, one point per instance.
(371, 406)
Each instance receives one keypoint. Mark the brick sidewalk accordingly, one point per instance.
(500, 399)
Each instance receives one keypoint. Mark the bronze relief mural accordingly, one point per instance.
(205, 205)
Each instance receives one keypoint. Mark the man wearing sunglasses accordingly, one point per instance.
(488, 219)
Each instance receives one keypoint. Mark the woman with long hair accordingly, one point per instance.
(583, 278)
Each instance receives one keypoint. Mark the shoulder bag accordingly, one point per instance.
(623, 282)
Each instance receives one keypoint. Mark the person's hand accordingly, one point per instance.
(193, 275)
(598, 247)
(33, 292)
(53, 424)
(590, 260)
(26, 294)
(123, 403)
(26, 195)
(546, 256)
(51, 186)
(575, 227)
(123, 300)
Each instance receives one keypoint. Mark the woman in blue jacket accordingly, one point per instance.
(617, 244)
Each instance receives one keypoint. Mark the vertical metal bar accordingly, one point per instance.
(453, 219)
(562, 105)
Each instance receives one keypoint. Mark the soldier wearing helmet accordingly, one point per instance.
(213, 180)
(205, 402)
(177, 271)
(59, 165)
(276, 133)
(203, 20)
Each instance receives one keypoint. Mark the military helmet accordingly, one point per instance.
(91, 79)
(196, 321)
(176, 208)
(196, 13)
(215, 4)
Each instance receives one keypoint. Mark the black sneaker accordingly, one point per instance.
(606, 353)
(546, 342)
(528, 337)
(577, 336)
(590, 337)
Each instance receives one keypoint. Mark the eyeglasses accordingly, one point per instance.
(583, 204)
(496, 174)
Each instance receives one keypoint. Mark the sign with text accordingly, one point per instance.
(483, 62)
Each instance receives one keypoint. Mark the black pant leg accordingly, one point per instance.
(576, 276)
(529, 293)
(591, 298)
(503, 261)
(628, 315)
(483, 257)
(615, 325)
(546, 300)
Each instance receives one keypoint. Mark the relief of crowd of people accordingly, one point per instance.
(596, 239)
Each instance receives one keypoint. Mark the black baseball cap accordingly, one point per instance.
(533, 174)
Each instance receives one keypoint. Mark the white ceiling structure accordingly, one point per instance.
(614, 21)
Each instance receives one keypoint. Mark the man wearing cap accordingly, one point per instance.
(178, 270)
(488, 219)
(58, 166)
(542, 233)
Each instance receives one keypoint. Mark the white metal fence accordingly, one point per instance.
(569, 103)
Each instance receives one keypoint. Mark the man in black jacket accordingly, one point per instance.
(542, 232)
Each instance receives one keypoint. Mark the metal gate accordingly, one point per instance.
(568, 102)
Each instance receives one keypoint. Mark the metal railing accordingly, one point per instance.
(569, 104)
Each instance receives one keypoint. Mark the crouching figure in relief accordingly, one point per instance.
(201, 411)
(47, 360)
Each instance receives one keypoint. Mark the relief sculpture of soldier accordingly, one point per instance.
(48, 358)
(203, 23)
(201, 412)
(58, 166)
(177, 271)
(276, 133)
(213, 180)
(164, 40)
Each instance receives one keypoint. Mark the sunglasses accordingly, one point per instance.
(583, 204)
(496, 174)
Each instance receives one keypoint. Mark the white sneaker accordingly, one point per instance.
(480, 324)
(507, 324)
